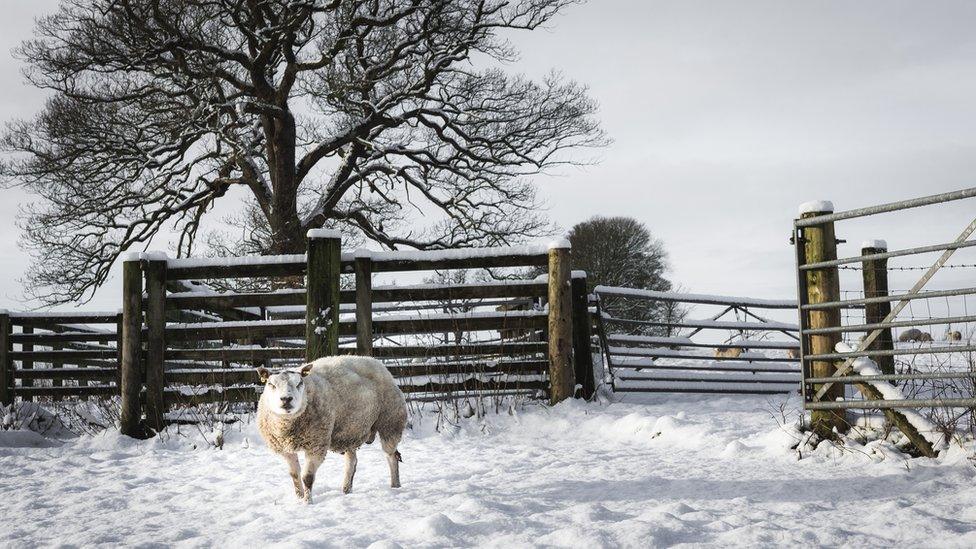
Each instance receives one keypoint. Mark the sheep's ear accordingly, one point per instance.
(263, 374)
(306, 369)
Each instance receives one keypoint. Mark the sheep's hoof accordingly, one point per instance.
(394, 485)
(347, 489)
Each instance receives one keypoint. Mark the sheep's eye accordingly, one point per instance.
(299, 384)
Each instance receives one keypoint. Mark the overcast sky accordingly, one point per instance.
(725, 116)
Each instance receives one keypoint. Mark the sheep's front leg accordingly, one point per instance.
(312, 462)
(351, 462)
(295, 470)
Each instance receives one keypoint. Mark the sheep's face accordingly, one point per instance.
(284, 392)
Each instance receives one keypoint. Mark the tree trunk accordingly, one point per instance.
(286, 227)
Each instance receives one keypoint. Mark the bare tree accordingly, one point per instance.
(359, 114)
(620, 251)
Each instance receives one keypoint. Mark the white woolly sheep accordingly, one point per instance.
(335, 403)
(728, 352)
(954, 335)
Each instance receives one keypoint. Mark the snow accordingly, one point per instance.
(560, 244)
(189, 262)
(866, 367)
(456, 253)
(323, 233)
(650, 472)
(817, 206)
(695, 298)
(876, 244)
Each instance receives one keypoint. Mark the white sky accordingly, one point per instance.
(725, 116)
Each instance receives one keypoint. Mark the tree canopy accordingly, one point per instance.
(363, 115)
(621, 251)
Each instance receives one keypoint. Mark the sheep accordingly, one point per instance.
(911, 334)
(793, 353)
(728, 352)
(925, 338)
(335, 403)
(954, 335)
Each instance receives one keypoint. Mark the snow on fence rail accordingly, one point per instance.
(663, 355)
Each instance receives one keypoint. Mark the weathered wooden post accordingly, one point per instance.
(562, 377)
(6, 365)
(823, 285)
(364, 303)
(322, 291)
(130, 420)
(875, 274)
(27, 364)
(582, 355)
(155, 269)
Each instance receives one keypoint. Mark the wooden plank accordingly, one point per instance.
(562, 376)
(641, 341)
(230, 394)
(528, 288)
(473, 385)
(6, 361)
(236, 330)
(40, 320)
(155, 273)
(232, 300)
(364, 306)
(64, 392)
(130, 422)
(110, 374)
(222, 376)
(484, 349)
(582, 353)
(26, 364)
(69, 356)
(205, 272)
(322, 295)
(668, 367)
(700, 390)
(236, 354)
(472, 262)
(512, 367)
(667, 353)
(47, 339)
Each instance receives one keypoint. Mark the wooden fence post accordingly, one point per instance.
(582, 354)
(823, 285)
(364, 303)
(155, 268)
(130, 420)
(875, 274)
(322, 294)
(6, 365)
(27, 364)
(562, 377)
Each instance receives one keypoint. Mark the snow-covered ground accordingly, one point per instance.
(671, 470)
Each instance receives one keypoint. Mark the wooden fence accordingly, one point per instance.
(58, 355)
(760, 356)
(184, 339)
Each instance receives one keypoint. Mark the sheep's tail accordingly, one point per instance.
(398, 456)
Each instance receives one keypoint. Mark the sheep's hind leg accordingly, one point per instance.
(295, 469)
(312, 463)
(393, 458)
(351, 461)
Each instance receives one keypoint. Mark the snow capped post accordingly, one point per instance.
(130, 418)
(562, 378)
(875, 274)
(155, 273)
(364, 303)
(6, 365)
(820, 244)
(322, 294)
